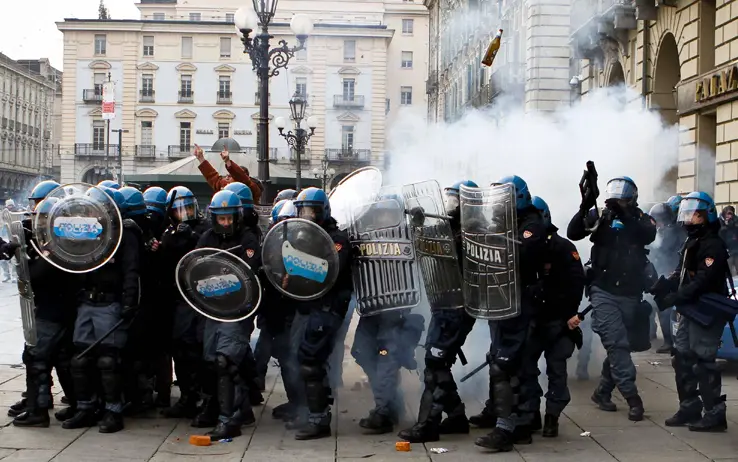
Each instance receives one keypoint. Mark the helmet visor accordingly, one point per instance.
(620, 189)
(184, 209)
(692, 212)
(309, 212)
(451, 203)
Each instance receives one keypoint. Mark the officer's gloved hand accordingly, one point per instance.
(417, 214)
(9, 249)
(184, 228)
(665, 302)
(128, 312)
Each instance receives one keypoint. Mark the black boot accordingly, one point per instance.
(286, 411)
(185, 407)
(635, 413)
(604, 402)
(208, 416)
(18, 408)
(226, 428)
(81, 419)
(522, 435)
(112, 422)
(33, 418)
(421, 432)
(314, 431)
(550, 426)
(224, 431)
(376, 423)
(710, 386)
(712, 422)
(536, 424)
(682, 418)
(498, 440)
(456, 424)
(485, 419)
(255, 396)
(318, 401)
(65, 414)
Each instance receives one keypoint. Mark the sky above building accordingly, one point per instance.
(28, 27)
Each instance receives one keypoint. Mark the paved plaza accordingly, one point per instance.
(608, 437)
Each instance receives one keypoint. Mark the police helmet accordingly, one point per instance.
(522, 194)
(44, 206)
(663, 214)
(156, 200)
(116, 195)
(283, 210)
(312, 204)
(285, 194)
(243, 192)
(456, 187)
(185, 203)
(41, 190)
(697, 204)
(542, 206)
(109, 184)
(622, 188)
(673, 203)
(133, 200)
(225, 203)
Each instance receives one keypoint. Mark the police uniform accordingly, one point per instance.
(616, 287)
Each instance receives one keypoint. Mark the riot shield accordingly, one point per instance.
(488, 226)
(82, 231)
(384, 269)
(359, 187)
(435, 246)
(13, 223)
(265, 213)
(300, 259)
(218, 284)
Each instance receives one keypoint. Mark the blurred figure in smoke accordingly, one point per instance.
(729, 234)
(665, 255)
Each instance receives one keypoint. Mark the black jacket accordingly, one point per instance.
(618, 255)
(562, 279)
(5, 250)
(729, 234)
(532, 235)
(173, 246)
(247, 240)
(705, 260)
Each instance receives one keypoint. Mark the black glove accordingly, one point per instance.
(417, 214)
(9, 249)
(128, 312)
(665, 302)
(184, 228)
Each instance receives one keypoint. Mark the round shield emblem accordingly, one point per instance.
(218, 284)
(300, 259)
(82, 231)
(359, 187)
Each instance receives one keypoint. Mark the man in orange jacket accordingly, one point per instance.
(235, 173)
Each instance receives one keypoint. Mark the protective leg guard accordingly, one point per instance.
(502, 389)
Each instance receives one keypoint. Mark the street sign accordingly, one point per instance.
(108, 102)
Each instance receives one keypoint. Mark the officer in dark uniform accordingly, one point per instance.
(554, 328)
(509, 336)
(110, 293)
(324, 318)
(447, 333)
(702, 270)
(226, 344)
(619, 237)
(664, 255)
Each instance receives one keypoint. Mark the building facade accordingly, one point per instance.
(29, 134)
(181, 78)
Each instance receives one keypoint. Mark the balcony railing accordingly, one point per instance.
(348, 155)
(92, 95)
(95, 149)
(5, 122)
(186, 97)
(255, 151)
(257, 99)
(593, 19)
(179, 151)
(47, 134)
(224, 97)
(146, 96)
(304, 157)
(145, 150)
(355, 101)
(431, 85)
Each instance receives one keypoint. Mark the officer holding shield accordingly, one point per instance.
(616, 278)
(702, 270)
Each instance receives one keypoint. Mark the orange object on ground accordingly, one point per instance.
(402, 446)
(199, 440)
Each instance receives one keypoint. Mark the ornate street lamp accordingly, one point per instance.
(267, 62)
(323, 172)
(297, 140)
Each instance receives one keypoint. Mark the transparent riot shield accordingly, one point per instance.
(265, 213)
(384, 269)
(82, 231)
(13, 223)
(359, 187)
(435, 245)
(300, 259)
(489, 225)
(218, 284)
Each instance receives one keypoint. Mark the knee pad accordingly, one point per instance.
(497, 374)
(429, 376)
(312, 373)
(222, 363)
(82, 363)
(445, 380)
(107, 363)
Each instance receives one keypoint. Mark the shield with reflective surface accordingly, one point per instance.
(265, 213)
(359, 187)
(82, 231)
(218, 284)
(435, 246)
(300, 259)
(489, 226)
(13, 223)
(384, 269)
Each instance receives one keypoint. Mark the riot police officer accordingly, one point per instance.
(226, 344)
(505, 357)
(323, 318)
(554, 328)
(447, 333)
(665, 256)
(616, 278)
(285, 194)
(109, 294)
(112, 184)
(702, 271)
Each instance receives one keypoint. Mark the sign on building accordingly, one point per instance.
(108, 101)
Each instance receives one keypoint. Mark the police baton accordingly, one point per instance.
(100, 340)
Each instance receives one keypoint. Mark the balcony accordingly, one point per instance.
(593, 20)
(257, 99)
(349, 155)
(431, 85)
(11, 125)
(224, 97)
(92, 95)
(179, 151)
(145, 151)
(4, 123)
(304, 157)
(187, 97)
(146, 96)
(95, 149)
(255, 151)
(346, 101)
(47, 134)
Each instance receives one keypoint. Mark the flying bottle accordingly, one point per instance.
(493, 48)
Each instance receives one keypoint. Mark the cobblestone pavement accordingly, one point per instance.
(611, 436)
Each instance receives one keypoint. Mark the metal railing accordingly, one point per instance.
(94, 149)
(257, 99)
(355, 101)
(146, 96)
(145, 150)
(186, 97)
(304, 157)
(224, 97)
(179, 151)
(92, 95)
(348, 155)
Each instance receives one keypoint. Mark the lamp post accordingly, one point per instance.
(323, 172)
(256, 44)
(120, 154)
(297, 140)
